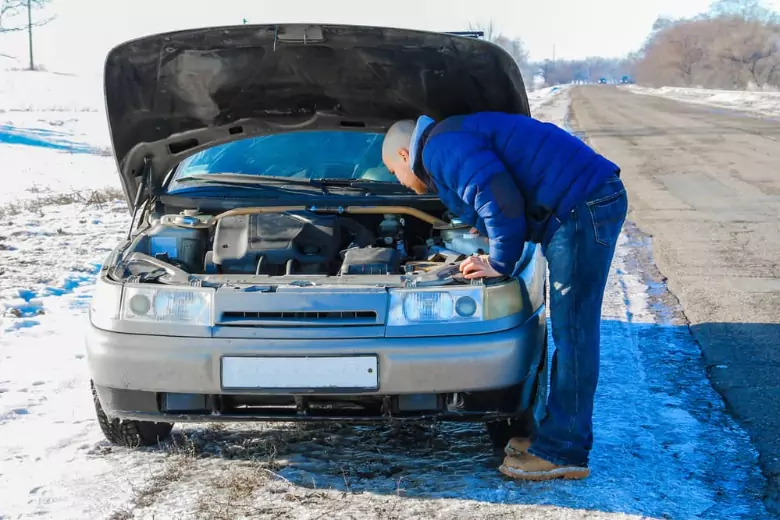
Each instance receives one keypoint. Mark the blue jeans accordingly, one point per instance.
(579, 257)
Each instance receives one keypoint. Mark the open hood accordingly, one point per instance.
(170, 95)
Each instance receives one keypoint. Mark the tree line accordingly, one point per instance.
(735, 45)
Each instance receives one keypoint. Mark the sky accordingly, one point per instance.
(84, 30)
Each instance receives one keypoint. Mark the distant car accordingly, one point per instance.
(602, 81)
(275, 270)
(625, 80)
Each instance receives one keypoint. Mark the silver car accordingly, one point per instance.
(274, 269)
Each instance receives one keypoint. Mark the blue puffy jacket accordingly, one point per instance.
(513, 177)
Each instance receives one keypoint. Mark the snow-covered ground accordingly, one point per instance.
(549, 103)
(761, 103)
(664, 446)
(48, 114)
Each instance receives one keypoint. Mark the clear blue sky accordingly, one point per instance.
(85, 29)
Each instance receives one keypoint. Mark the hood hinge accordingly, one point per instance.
(145, 185)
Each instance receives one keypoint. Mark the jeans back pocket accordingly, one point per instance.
(608, 214)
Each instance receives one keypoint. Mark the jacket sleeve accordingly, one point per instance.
(466, 163)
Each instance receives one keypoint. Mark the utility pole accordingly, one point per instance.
(29, 33)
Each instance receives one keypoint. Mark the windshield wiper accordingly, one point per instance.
(247, 179)
(368, 185)
(257, 181)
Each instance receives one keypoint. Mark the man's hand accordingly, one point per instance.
(478, 267)
(474, 231)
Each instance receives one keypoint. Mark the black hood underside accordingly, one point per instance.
(169, 95)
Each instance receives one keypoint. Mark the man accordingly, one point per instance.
(517, 179)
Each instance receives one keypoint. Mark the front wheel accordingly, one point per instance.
(501, 431)
(524, 424)
(129, 433)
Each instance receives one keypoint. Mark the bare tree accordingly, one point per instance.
(13, 10)
(662, 23)
(754, 50)
(678, 55)
(736, 50)
(513, 46)
(752, 10)
(589, 70)
(487, 29)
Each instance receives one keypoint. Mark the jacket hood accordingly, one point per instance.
(173, 94)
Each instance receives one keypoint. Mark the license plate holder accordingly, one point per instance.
(300, 373)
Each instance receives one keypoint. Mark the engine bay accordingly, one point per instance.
(299, 244)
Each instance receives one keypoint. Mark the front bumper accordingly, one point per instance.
(144, 368)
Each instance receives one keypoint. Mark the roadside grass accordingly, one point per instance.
(44, 197)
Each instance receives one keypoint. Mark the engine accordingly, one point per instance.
(276, 244)
(299, 242)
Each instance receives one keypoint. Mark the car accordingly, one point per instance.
(625, 80)
(274, 270)
(602, 81)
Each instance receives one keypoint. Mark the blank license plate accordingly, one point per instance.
(333, 373)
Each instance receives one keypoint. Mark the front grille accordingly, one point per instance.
(289, 318)
(304, 315)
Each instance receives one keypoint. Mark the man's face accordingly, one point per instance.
(399, 166)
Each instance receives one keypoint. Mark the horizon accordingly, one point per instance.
(76, 41)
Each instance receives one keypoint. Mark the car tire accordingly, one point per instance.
(523, 425)
(501, 431)
(129, 433)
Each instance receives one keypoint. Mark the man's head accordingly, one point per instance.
(395, 155)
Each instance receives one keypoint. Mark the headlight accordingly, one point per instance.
(461, 305)
(190, 306)
(104, 307)
(503, 300)
(435, 305)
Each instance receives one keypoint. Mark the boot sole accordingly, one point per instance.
(559, 473)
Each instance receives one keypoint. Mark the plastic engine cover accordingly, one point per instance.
(308, 239)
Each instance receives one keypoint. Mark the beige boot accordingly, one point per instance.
(529, 467)
(517, 446)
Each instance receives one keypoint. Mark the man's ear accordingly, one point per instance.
(403, 153)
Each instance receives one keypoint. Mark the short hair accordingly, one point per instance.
(398, 136)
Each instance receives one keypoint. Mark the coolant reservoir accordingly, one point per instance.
(184, 244)
(461, 240)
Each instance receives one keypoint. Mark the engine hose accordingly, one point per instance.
(353, 210)
(259, 264)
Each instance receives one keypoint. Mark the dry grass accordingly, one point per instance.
(272, 472)
(44, 198)
(146, 495)
(246, 482)
(182, 456)
(241, 488)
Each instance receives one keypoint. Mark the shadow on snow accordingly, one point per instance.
(43, 139)
(664, 446)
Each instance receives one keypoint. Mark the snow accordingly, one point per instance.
(34, 91)
(664, 446)
(761, 103)
(61, 120)
(549, 103)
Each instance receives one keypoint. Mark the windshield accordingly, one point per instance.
(298, 155)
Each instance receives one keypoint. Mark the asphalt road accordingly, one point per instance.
(705, 183)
